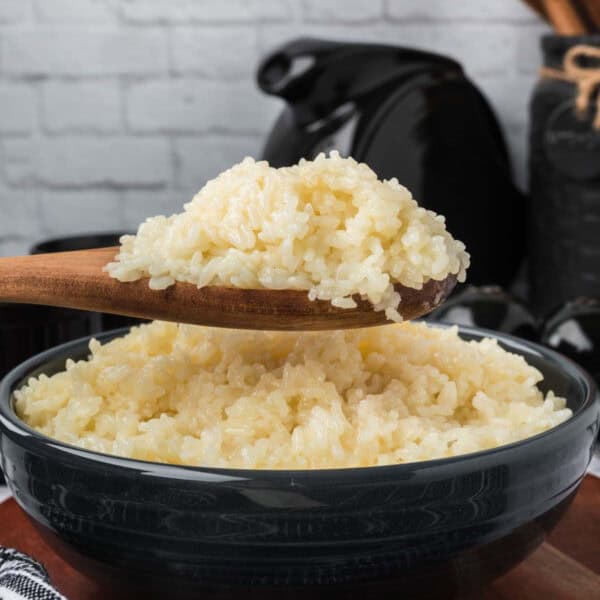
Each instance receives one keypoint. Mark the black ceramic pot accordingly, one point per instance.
(428, 529)
(408, 114)
(78, 242)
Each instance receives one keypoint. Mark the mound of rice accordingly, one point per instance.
(199, 396)
(328, 226)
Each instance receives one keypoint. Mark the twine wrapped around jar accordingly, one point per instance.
(564, 169)
(587, 79)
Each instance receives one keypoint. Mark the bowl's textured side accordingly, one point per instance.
(293, 530)
(448, 524)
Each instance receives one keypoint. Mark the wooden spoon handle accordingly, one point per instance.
(77, 280)
(592, 8)
(69, 279)
(564, 17)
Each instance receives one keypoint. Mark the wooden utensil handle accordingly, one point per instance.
(592, 8)
(564, 17)
(77, 280)
(71, 279)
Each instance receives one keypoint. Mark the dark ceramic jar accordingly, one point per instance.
(564, 179)
(408, 114)
(429, 529)
(26, 330)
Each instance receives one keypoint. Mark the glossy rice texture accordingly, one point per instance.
(328, 226)
(214, 397)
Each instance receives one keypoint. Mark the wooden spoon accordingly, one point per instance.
(564, 17)
(592, 7)
(77, 280)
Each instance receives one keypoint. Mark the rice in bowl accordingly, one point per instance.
(212, 397)
(328, 226)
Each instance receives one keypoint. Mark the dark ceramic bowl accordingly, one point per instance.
(434, 528)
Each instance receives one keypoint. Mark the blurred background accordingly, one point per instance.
(114, 110)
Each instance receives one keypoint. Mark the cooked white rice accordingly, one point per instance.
(199, 396)
(328, 226)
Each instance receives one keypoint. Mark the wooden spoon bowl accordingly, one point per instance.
(77, 280)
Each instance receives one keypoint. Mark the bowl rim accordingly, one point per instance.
(11, 422)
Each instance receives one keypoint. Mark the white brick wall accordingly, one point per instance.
(126, 161)
(197, 106)
(349, 11)
(201, 158)
(61, 211)
(114, 110)
(14, 11)
(81, 106)
(77, 52)
(214, 52)
(17, 108)
(207, 11)
(75, 11)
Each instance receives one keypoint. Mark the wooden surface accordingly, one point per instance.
(77, 280)
(566, 567)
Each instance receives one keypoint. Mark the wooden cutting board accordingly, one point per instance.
(566, 567)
